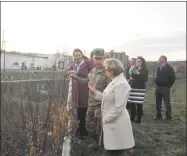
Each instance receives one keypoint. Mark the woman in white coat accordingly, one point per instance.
(117, 128)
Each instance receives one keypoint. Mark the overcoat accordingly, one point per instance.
(81, 89)
(117, 128)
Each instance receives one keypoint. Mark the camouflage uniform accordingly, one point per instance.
(93, 116)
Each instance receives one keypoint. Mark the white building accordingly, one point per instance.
(14, 60)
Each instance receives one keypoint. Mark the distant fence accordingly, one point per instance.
(35, 88)
(46, 83)
(11, 75)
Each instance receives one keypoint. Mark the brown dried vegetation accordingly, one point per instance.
(33, 126)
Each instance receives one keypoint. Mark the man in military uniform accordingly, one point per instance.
(100, 79)
(97, 76)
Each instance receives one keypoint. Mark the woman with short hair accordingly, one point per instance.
(117, 129)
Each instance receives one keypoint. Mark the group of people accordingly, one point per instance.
(101, 92)
(137, 75)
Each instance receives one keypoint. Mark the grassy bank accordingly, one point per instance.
(163, 138)
(158, 138)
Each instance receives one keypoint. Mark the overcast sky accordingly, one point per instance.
(138, 28)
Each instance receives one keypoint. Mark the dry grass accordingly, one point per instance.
(163, 138)
(153, 138)
(158, 138)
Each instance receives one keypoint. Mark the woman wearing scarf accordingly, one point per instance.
(80, 68)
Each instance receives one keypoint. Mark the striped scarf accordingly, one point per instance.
(77, 66)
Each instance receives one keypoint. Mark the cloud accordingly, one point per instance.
(152, 47)
(138, 28)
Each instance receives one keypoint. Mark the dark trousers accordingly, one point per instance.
(128, 106)
(82, 118)
(136, 109)
(163, 93)
(114, 152)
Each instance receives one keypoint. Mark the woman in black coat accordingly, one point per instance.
(138, 81)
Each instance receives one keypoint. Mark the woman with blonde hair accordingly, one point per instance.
(117, 129)
(80, 69)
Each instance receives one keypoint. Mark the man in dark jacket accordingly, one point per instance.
(164, 80)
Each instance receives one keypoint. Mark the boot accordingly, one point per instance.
(96, 142)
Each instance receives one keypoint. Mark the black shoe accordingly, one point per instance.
(82, 137)
(138, 122)
(157, 118)
(95, 143)
(132, 119)
(84, 133)
(168, 118)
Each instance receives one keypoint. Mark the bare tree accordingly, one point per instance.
(59, 58)
(33, 123)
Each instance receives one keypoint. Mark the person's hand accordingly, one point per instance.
(72, 71)
(131, 78)
(137, 72)
(73, 75)
(91, 86)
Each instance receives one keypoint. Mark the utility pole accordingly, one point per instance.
(3, 46)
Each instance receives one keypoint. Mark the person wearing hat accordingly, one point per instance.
(93, 116)
(100, 79)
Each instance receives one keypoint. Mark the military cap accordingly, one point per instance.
(99, 52)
